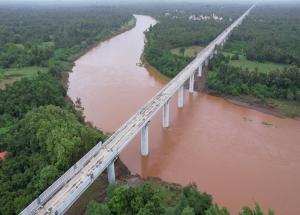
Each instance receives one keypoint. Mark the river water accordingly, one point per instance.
(238, 155)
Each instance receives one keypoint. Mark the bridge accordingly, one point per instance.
(59, 197)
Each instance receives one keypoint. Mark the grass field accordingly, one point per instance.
(190, 51)
(9, 76)
(262, 67)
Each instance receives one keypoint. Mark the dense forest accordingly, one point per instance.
(158, 199)
(177, 28)
(270, 33)
(259, 62)
(39, 36)
(42, 133)
(236, 81)
(261, 59)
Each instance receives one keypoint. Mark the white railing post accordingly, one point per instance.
(145, 140)
(166, 115)
(181, 96)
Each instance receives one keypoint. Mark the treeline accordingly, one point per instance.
(33, 36)
(236, 81)
(270, 33)
(19, 55)
(152, 199)
(41, 131)
(175, 29)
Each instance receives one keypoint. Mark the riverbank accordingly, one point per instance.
(10, 75)
(271, 107)
(98, 190)
(147, 65)
(65, 74)
(206, 131)
(252, 103)
(260, 96)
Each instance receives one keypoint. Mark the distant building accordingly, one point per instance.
(215, 17)
(193, 17)
(3, 155)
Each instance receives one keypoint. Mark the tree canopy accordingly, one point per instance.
(157, 199)
(42, 133)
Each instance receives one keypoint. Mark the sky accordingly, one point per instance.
(132, 1)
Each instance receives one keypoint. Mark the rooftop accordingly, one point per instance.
(3, 155)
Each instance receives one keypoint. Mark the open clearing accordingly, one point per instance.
(9, 76)
(262, 67)
(190, 51)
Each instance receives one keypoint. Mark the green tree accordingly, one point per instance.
(188, 211)
(256, 211)
(216, 210)
(182, 51)
(94, 208)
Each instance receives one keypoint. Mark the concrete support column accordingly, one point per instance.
(200, 70)
(144, 140)
(181, 96)
(166, 115)
(191, 85)
(206, 62)
(111, 172)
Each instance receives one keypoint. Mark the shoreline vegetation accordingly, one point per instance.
(36, 157)
(126, 27)
(101, 198)
(258, 69)
(31, 106)
(172, 58)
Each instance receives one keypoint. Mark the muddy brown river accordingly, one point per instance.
(240, 156)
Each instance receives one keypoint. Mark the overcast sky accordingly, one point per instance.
(132, 1)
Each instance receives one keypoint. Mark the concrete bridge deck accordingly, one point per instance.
(58, 201)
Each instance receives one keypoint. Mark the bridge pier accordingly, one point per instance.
(200, 71)
(192, 82)
(111, 173)
(166, 115)
(144, 140)
(181, 96)
(206, 62)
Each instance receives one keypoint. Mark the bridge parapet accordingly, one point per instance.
(61, 181)
(63, 192)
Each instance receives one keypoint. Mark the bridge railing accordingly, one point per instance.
(163, 94)
(180, 78)
(61, 181)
